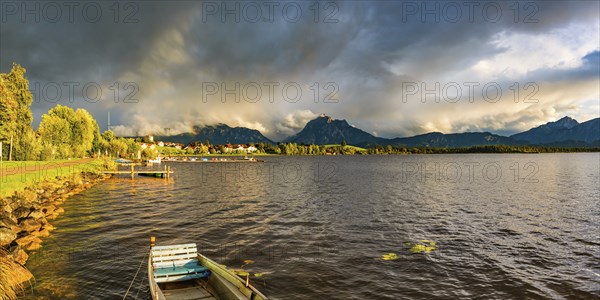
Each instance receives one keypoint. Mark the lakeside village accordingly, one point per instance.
(156, 151)
(149, 149)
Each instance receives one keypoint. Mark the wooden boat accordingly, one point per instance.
(178, 272)
(153, 174)
(155, 161)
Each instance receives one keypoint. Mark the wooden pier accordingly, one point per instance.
(166, 173)
(216, 160)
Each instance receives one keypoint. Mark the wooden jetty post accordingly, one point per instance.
(166, 173)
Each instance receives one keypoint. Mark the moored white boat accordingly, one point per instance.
(155, 161)
(180, 272)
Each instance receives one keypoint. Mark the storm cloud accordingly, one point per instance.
(391, 68)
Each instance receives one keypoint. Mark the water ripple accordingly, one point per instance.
(322, 236)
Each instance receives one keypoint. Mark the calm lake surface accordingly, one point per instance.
(506, 226)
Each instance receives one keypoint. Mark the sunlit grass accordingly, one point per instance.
(346, 147)
(15, 176)
(224, 154)
(13, 277)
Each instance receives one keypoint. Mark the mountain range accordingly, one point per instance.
(565, 129)
(217, 135)
(323, 130)
(327, 130)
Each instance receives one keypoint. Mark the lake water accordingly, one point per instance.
(505, 226)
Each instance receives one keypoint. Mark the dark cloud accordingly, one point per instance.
(370, 49)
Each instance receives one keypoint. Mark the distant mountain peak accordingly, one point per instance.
(567, 118)
(327, 130)
(450, 140)
(564, 122)
(324, 130)
(324, 118)
(220, 133)
(565, 129)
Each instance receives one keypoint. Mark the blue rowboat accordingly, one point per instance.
(180, 272)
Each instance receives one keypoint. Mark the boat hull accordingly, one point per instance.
(221, 284)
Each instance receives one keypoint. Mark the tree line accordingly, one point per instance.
(344, 149)
(15, 114)
(67, 133)
(63, 132)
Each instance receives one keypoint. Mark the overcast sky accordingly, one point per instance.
(392, 68)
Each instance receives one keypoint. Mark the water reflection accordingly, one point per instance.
(317, 227)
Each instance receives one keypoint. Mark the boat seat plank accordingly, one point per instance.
(174, 263)
(179, 271)
(168, 252)
(182, 277)
(174, 257)
(169, 247)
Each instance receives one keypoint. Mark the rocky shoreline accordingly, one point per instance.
(25, 217)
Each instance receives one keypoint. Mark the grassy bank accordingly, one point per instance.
(225, 154)
(31, 194)
(16, 175)
(355, 148)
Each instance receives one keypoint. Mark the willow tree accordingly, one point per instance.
(55, 133)
(15, 112)
(83, 132)
(68, 133)
(8, 115)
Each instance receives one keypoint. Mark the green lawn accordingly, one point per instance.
(219, 154)
(230, 154)
(29, 163)
(16, 175)
(347, 146)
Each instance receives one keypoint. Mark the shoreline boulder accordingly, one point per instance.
(6, 236)
(19, 255)
(29, 242)
(37, 214)
(7, 222)
(30, 225)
